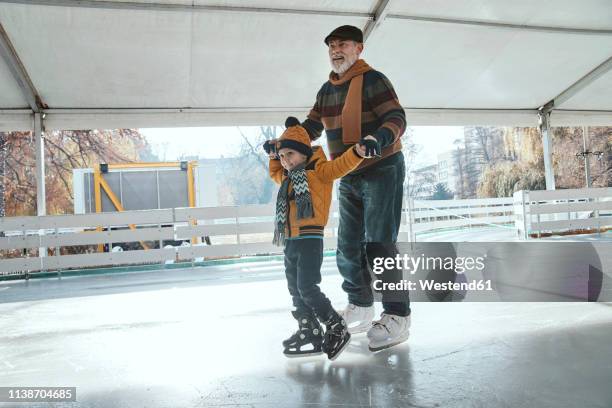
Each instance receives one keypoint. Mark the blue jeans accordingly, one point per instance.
(370, 212)
(303, 259)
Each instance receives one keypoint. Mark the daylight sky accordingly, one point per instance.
(214, 142)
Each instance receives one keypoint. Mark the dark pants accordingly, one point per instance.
(370, 212)
(303, 259)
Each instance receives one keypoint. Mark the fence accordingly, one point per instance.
(234, 231)
(441, 214)
(544, 213)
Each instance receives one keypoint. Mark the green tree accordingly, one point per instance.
(441, 192)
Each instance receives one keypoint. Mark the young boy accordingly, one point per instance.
(302, 210)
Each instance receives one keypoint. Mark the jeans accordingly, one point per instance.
(370, 215)
(303, 259)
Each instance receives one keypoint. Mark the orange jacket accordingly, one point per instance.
(321, 175)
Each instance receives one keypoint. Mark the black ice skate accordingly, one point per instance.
(308, 340)
(337, 336)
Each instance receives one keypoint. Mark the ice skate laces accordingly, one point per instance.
(335, 330)
(384, 322)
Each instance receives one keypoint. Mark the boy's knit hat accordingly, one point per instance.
(295, 137)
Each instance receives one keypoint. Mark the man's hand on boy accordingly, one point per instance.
(270, 147)
(371, 146)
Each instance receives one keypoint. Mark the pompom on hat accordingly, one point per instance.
(295, 137)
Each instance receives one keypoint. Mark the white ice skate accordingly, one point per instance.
(389, 331)
(358, 318)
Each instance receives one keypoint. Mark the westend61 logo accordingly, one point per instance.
(490, 271)
(413, 264)
(442, 273)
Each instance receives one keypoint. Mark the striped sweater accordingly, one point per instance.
(382, 115)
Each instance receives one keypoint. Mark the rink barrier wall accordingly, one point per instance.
(562, 212)
(237, 231)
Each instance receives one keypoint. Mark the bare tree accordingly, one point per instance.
(3, 151)
(246, 176)
(422, 182)
(459, 168)
(64, 151)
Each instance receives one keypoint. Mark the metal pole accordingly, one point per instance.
(525, 225)
(544, 125)
(380, 13)
(161, 243)
(411, 219)
(587, 165)
(19, 72)
(41, 206)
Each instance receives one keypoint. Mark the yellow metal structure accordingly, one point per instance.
(190, 185)
(191, 194)
(98, 196)
(101, 184)
(144, 165)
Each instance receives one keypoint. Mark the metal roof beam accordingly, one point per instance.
(19, 72)
(493, 24)
(161, 6)
(579, 85)
(380, 13)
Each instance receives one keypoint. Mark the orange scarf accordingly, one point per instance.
(351, 112)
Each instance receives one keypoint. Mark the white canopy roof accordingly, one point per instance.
(109, 64)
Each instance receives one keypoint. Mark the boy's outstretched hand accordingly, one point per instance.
(270, 147)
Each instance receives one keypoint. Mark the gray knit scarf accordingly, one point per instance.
(303, 201)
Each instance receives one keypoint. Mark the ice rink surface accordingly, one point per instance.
(210, 337)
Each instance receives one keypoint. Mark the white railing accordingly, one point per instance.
(234, 231)
(441, 214)
(540, 213)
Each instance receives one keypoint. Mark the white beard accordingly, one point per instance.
(348, 62)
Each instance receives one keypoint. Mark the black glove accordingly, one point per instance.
(372, 147)
(269, 147)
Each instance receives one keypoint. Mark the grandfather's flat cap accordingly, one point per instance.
(345, 32)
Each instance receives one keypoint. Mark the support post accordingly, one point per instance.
(587, 164)
(41, 206)
(544, 126)
(41, 203)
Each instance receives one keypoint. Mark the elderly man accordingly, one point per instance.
(358, 105)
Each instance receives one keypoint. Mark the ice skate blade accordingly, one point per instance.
(341, 350)
(386, 346)
(300, 355)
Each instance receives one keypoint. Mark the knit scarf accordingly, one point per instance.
(351, 112)
(303, 201)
